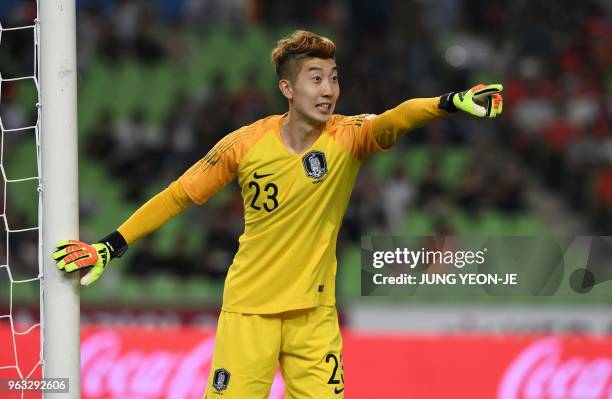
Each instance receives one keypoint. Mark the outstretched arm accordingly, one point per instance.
(388, 127)
(155, 213)
(481, 101)
(196, 185)
(73, 255)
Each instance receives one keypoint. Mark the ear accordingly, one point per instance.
(285, 87)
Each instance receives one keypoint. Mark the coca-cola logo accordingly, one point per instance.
(108, 370)
(540, 372)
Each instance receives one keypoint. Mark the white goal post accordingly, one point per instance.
(59, 217)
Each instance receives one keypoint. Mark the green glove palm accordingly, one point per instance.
(481, 100)
(74, 255)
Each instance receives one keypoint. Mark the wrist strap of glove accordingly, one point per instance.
(446, 102)
(116, 244)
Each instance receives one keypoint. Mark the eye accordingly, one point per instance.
(316, 78)
(335, 78)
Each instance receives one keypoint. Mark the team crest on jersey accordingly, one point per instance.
(315, 164)
(221, 379)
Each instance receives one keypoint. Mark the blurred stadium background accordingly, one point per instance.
(161, 81)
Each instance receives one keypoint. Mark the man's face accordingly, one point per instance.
(316, 89)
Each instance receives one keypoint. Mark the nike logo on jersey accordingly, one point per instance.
(255, 175)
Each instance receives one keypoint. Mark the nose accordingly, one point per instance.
(326, 88)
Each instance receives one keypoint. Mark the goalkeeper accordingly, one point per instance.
(296, 172)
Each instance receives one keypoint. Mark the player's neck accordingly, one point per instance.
(299, 134)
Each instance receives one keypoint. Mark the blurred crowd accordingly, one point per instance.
(553, 58)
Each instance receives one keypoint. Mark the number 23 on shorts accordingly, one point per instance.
(336, 378)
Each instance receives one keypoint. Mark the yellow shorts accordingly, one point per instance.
(306, 343)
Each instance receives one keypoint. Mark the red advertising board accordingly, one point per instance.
(173, 363)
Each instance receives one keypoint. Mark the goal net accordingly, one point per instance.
(38, 163)
(20, 164)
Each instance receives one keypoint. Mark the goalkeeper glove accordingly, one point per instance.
(481, 100)
(74, 255)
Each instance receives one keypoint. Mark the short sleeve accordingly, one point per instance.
(355, 134)
(213, 172)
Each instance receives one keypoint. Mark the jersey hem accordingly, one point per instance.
(277, 309)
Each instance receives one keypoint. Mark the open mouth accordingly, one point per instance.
(324, 107)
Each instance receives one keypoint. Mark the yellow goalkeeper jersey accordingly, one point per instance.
(294, 205)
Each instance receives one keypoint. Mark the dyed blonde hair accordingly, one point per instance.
(300, 44)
